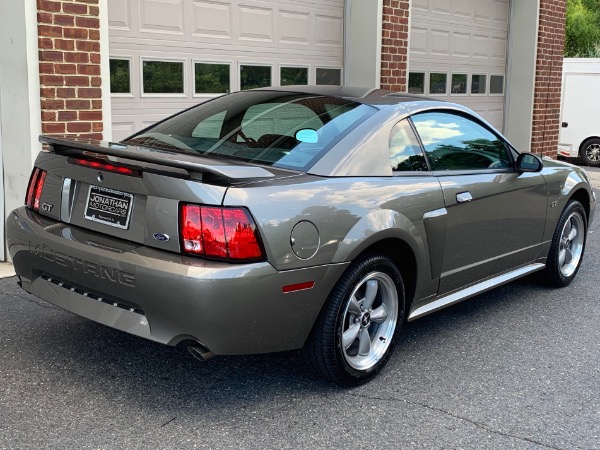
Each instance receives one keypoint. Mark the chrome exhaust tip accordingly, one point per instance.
(200, 352)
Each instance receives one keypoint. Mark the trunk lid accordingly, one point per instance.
(86, 186)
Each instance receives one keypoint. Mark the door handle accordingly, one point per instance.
(463, 197)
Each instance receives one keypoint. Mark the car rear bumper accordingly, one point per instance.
(162, 296)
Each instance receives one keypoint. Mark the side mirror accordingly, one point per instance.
(528, 162)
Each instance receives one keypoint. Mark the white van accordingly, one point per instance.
(580, 111)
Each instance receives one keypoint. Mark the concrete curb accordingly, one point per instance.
(6, 270)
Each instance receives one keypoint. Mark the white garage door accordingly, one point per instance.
(458, 52)
(170, 54)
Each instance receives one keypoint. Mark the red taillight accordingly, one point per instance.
(213, 233)
(31, 187)
(100, 165)
(34, 190)
(221, 233)
(191, 230)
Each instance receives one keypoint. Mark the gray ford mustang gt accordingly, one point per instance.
(313, 218)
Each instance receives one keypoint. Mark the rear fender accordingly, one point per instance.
(387, 224)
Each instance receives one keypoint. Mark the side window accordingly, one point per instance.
(454, 142)
(405, 152)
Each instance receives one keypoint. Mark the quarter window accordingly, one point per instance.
(405, 152)
(454, 142)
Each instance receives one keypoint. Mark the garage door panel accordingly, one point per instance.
(418, 40)
(211, 20)
(121, 130)
(480, 46)
(439, 7)
(501, 11)
(419, 5)
(162, 16)
(482, 10)
(440, 43)
(498, 46)
(217, 22)
(118, 15)
(328, 31)
(461, 45)
(462, 8)
(294, 27)
(255, 23)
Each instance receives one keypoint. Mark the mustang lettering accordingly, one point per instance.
(86, 267)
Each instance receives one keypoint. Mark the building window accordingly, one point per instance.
(478, 84)
(459, 83)
(252, 77)
(163, 77)
(416, 83)
(437, 83)
(293, 75)
(211, 78)
(329, 76)
(120, 80)
(497, 84)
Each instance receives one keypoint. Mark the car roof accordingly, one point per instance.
(368, 96)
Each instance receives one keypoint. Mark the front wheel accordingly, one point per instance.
(359, 325)
(568, 245)
(590, 152)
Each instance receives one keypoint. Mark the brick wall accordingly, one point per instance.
(394, 51)
(548, 77)
(69, 49)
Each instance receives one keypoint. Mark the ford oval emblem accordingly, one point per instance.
(161, 237)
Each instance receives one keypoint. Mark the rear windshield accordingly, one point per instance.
(282, 129)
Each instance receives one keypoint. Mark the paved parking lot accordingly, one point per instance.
(518, 367)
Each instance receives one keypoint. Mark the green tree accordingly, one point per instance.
(582, 28)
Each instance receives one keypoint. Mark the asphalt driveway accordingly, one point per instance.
(517, 367)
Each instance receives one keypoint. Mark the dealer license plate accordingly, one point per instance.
(109, 207)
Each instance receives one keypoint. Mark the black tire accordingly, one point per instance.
(590, 152)
(326, 354)
(560, 272)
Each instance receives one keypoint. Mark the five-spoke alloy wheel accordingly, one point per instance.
(568, 245)
(369, 320)
(359, 324)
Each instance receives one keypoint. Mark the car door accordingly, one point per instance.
(495, 215)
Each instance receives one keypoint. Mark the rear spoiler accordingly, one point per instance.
(195, 165)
